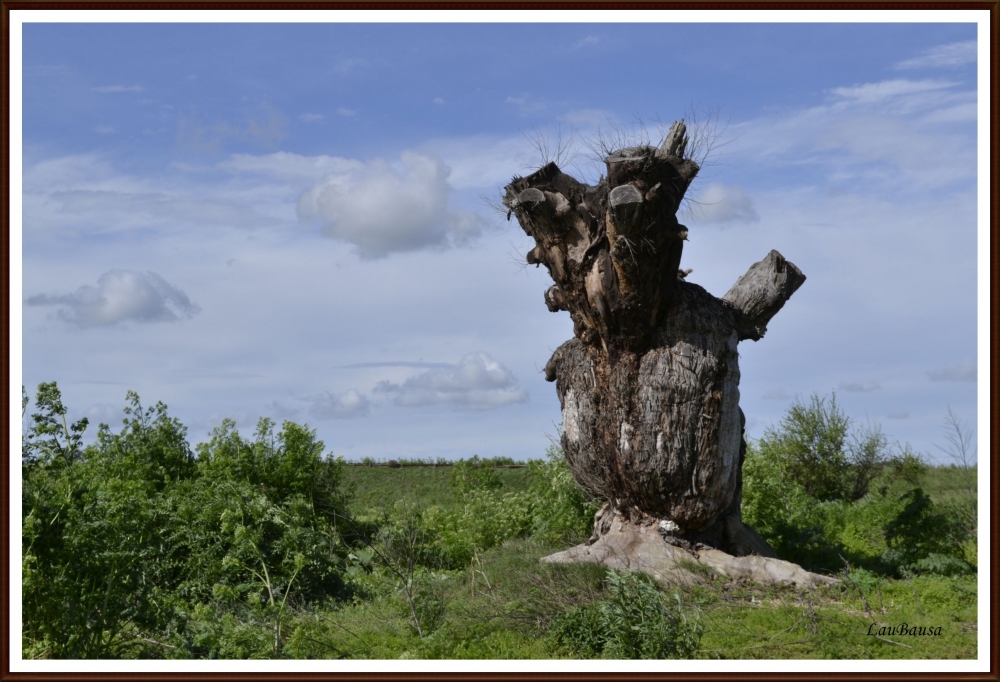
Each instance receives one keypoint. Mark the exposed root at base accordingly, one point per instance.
(642, 545)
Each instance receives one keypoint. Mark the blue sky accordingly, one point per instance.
(247, 220)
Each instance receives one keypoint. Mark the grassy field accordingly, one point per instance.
(507, 604)
(379, 487)
(259, 547)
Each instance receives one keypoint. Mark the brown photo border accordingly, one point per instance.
(7, 6)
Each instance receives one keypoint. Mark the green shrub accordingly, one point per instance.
(472, 474)
(634, 621)
(920, 532)
(131, 547)
(562, 511)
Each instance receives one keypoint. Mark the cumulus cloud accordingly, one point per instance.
(477, 382)
(120, 296)
(721, 204)
(859, 386)
(384, 208)
(942, 56)
(966, 371)
(339, 405)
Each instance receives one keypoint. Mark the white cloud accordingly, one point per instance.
(263, 124)
(104, 413)
(347, 113)
(383, 208)
(484, 161)
(339, 406)
(126, 210)
(105, 130)
(718, 203)
(868, 93)
(859, 386)
(878, 135)
(589, 40)
(289, 167)
(966, 371)
(117, 88)
(477, 382)
(310, 118)
(438, 100)
(527, 104)
(120, 295)
(942, 56)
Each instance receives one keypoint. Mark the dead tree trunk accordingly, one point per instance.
(649, 386)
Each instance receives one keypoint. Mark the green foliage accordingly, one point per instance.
(95, 566)
(131, 544)
(134, 547)
(857, 501)
(635, 620)
(811, 442)
(921, 539)
(50, 437)
(562, 511)
(474, 474)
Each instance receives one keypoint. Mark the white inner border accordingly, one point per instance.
(981, 18)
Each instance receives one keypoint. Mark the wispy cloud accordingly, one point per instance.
(400, 363)
(105, 130)
(527, 104)
(870, 93)
(310, 118)
(339, 405)
(120, 296)
(117, 88)
(347, 113)
(383, 208)
(863, 386)
(877, 135)
(718, 203)
(942, 56)
(263, 124)
(289, 167)
(477, 382)
(966, 371)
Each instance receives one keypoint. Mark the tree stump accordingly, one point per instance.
(649, 385)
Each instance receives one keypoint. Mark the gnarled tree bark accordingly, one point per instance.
(649, 385)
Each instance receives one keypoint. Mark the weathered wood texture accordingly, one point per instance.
(649, 386)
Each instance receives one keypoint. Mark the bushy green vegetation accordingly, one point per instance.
(260, 547)
(869, 507)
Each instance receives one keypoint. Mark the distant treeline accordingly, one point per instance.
(494, 462)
